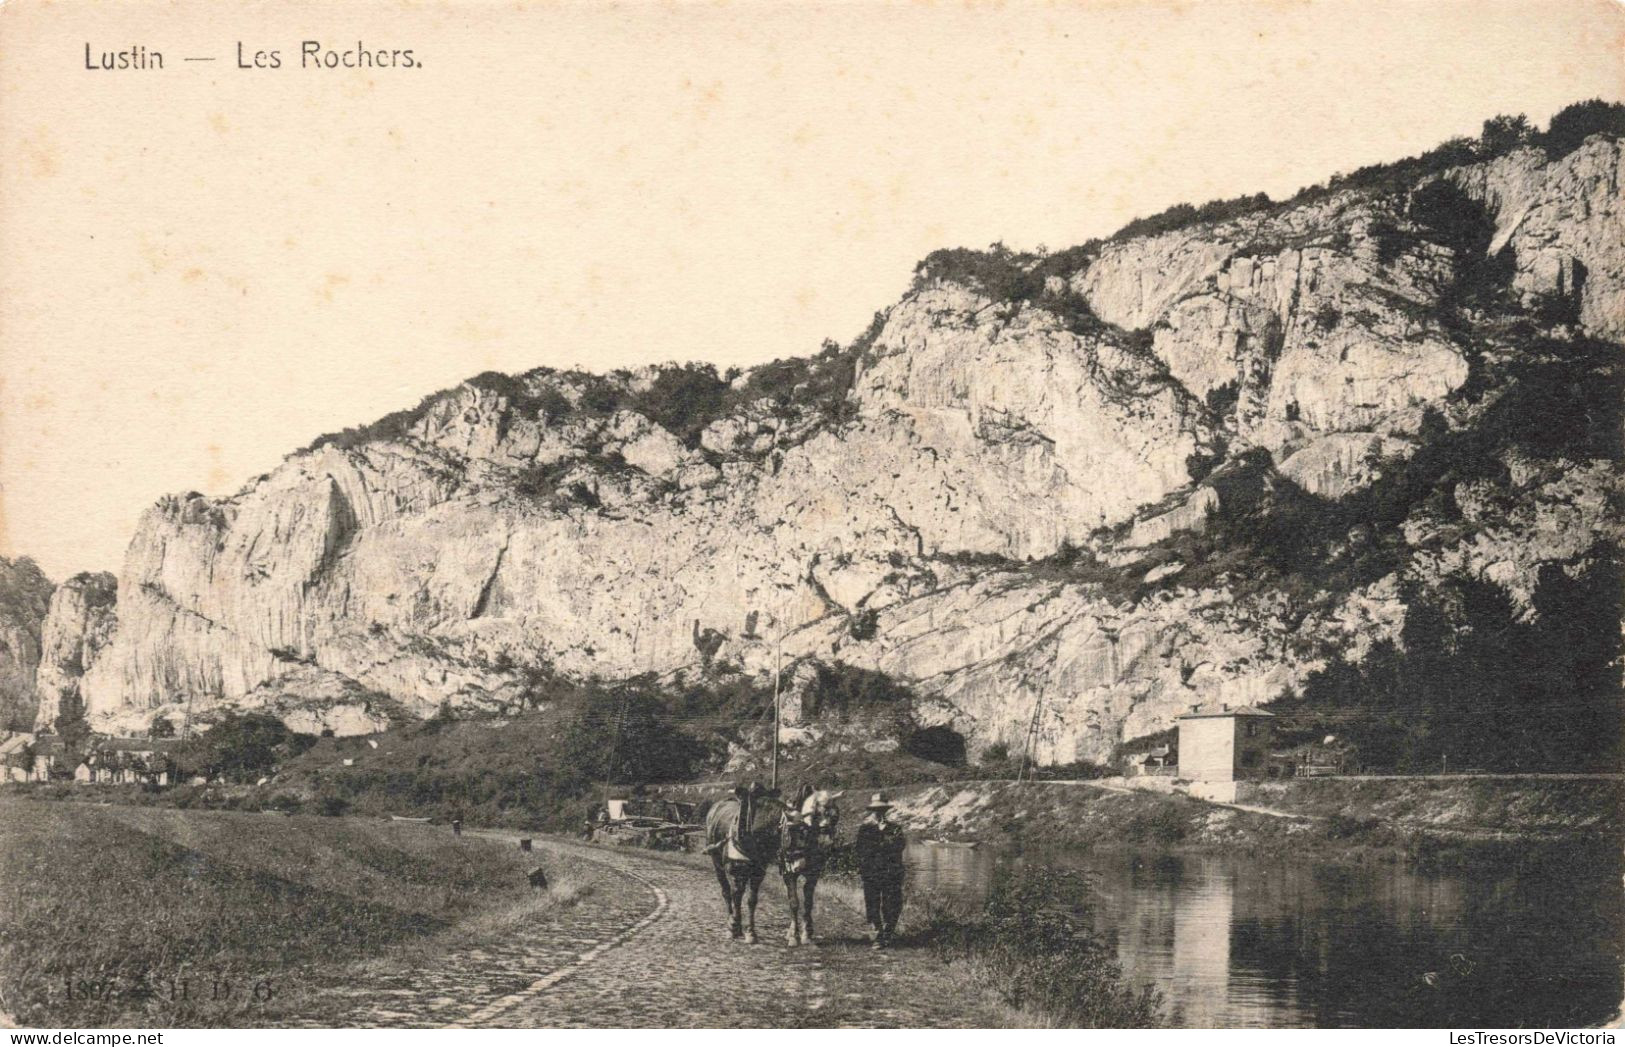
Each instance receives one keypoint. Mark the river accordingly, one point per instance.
(1238, 942)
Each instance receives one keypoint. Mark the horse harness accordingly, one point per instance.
(732, 845)
(802, 839)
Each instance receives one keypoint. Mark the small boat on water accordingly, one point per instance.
(962, 844)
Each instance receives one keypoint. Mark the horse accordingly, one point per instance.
(806, 835)
(742, 837)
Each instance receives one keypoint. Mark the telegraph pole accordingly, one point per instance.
(778, 673)
(1031, 741)
(620, 713)
(609, 771)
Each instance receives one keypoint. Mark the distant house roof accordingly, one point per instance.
(1154, 754)
(1207, 711)
(15, 743)
(51, 745)
(136, 745)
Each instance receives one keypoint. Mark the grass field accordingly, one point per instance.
(154, 917)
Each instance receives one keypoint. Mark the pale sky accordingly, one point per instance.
(202, 268)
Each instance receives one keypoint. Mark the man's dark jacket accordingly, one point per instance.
(880, 851)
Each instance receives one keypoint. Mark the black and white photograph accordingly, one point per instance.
(812, 515)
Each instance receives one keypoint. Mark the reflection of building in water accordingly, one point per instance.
(1201, 947)
(1175, 921)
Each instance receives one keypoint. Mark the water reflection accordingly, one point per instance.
(1246, 943)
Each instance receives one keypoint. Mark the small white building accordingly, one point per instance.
(1224, 744)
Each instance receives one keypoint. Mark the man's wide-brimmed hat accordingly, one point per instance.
(879, 803)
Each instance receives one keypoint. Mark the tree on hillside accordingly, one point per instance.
(1574, 124)
(1476, 683)
(631, 737)
(1504, 133)
(243, 747)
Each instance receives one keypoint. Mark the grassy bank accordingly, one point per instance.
(1029, 948)
(1032, 947)
(1527, 806)
(131, 916)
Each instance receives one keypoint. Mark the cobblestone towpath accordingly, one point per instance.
(648, 946)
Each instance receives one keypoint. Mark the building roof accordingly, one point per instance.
(1206, 711)
(135, 745)
(51, 745)
(15, 743)
(1151, 754)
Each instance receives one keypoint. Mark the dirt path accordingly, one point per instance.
(649, 947)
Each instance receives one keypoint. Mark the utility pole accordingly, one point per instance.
(620, 714)
(1032, 736)
(778, 672)
(609, 771)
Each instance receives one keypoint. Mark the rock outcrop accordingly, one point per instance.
(1561, 222)
(81, 623)
(25, 593)
(984, 497)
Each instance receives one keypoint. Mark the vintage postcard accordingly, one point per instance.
(812, 514)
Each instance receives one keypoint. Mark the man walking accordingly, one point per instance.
(880, 866)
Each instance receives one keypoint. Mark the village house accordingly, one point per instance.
(51, 759)
(1222, 744)
(17, 757)
(129, 761)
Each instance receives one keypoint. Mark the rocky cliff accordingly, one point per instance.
(81, 623)
(24, 595)
(1060, 498)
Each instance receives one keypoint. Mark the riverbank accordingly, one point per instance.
(1392, 819)
(1448, 819)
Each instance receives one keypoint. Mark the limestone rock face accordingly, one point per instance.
(1560, 221)
(24, 596)
(1296, 319)
(1026, 434)
(81, 623)
(1007, 658)
(1339, 463)
(991, 498)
